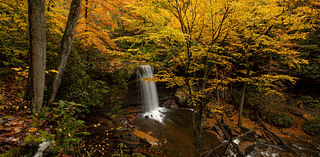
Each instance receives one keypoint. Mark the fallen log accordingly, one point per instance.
(277, 137)
(209, 153)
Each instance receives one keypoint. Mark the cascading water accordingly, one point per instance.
(149, 93)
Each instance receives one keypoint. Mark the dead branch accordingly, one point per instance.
(277, 137)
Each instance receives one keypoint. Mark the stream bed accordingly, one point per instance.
(176, 133)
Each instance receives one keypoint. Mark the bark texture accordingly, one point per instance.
(242, 103)
(37, 30)
(65, 47)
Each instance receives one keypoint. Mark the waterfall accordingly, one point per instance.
(149, 94)
(148, 88)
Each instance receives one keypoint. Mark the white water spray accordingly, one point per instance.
(149, 93)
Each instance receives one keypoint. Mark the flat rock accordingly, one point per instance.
(243, 145)
(147, 137)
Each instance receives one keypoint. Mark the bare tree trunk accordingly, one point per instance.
(37, 30)
(244, 87)
(230, 91)
(223, 93)
(217, 77)
(29, 90)
(65, 47)
(86, 15)
(121, 23)
(242, 103)
(199, 135)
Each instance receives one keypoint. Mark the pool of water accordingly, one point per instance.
(175, 132)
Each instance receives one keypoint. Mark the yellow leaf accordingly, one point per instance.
(32, 130)
(54, 71)
(216, 111)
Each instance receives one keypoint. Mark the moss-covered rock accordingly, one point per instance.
(277, 118)
(18, 152)
(312, 127)
(309, 101)
(282, 120)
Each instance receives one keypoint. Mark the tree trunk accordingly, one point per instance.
(65, 47)
(29, 90)
(121, 23)
(37, 30)
(199, 135)
(217, 77)
(242, 103)
(243, 93)
(86, 15)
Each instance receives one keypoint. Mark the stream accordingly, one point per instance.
(173, 128)
(176, 133)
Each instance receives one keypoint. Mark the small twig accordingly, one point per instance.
(244, 134)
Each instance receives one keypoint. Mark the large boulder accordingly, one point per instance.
(181, 96)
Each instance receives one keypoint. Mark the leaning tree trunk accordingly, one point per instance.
(65, 47)
(37, 30)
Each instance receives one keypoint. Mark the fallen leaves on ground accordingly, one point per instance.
(13, 130)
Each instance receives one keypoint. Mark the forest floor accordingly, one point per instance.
(116, 134)
(231, 119)
(15, 119)
(294, 137)
(133, 141)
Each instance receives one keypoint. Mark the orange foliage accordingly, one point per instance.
(103, 17)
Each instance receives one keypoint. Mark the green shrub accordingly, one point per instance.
(312, 127)
(79, 87)
(37, 139)
(309, 101)
(68, 130)
(282, 120)
(18, 152)
(85, 85)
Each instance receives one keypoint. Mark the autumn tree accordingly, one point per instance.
(265, 32)
(310, 47)
(202, 42)
(188, 36)
(37, 39)
(95, 26)
(65, 45)
(14, 39)
(92, 29)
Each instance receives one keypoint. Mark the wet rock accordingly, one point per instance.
(180, 96)
(294, 110)
(42, 148)
(124, 122)
(154, 142)
(243, 145)
(170, 103)
(286, 154)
